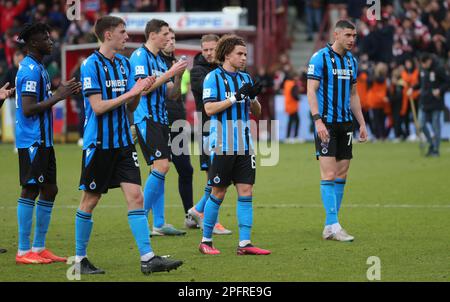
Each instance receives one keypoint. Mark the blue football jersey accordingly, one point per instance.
(336, 74)
(100, 75)
(229, 129)
(152, 106)
(33, 80)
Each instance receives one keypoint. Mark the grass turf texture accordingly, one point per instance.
(396, 204)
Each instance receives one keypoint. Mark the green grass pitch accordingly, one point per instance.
(396, 204)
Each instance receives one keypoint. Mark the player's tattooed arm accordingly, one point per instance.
(31, 106)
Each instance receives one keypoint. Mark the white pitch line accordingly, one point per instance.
(281, 206)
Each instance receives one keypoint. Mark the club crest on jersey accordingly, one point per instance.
(92, 185)
(105, 68)
(158, 153)
(216, 179)
(122, 69)
(41, 178)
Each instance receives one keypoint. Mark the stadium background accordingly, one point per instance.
(404, 223)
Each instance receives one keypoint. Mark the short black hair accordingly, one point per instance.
(106, 23)
(31, 29)
(343, 24)
(154, 26)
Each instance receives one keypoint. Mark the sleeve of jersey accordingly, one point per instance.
(30, 82)
(315, 67)
(355, 73)
(209, 88)
(139, 68)
(89, 76)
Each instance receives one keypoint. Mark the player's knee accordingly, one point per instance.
(329, 175)
(30, 192)
(219, 192)
(89, 202)
(136, 200)
(162, 166)
(49, 193)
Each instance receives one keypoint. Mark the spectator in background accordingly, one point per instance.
(291, 92)
(266, 99)
(79, 100)
(361, 87)
(410, 78)
(433, 84)
(396, 98)
(8, 11)
(377, 99)
(313, 12)
(56, 17)
(77, 29)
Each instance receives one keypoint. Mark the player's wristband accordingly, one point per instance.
(232, 100)
(316, 117)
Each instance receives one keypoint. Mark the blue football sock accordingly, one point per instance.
(339, 185)
(25, 221)
(329, 201)
(83, 228)
(210, 215)
(139, 227)
(154, 197)
(200, 206)
(245, 217)
(43, 215)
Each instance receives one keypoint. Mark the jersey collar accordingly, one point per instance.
(103, 56)
(331, 49)
(34, 58)
(233, 74)
(148, 50)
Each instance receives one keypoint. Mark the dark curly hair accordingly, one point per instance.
(226, 45)
(31, 29)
